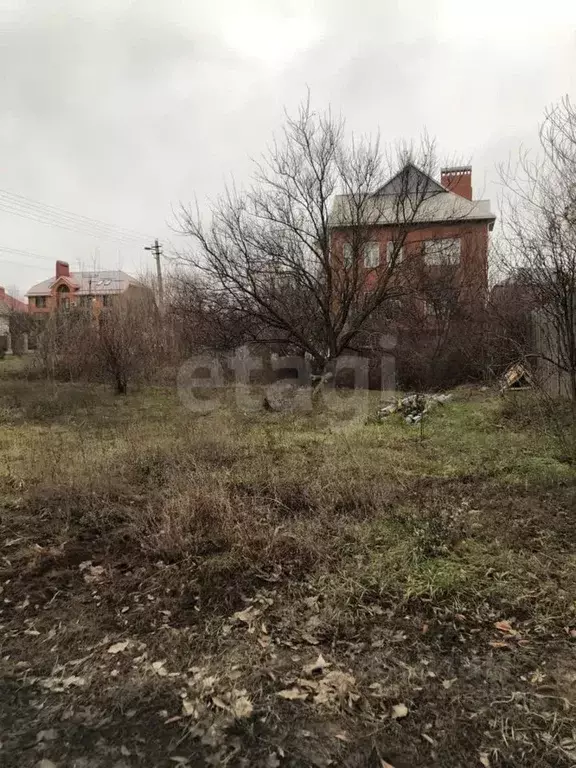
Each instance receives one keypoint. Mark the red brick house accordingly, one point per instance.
(448, 230)
(430, 239)
(85, 289)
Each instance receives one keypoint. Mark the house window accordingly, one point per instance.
(40, 302)
(371, 255)
(106, 300)
(85, 302)
(390, 245)
(348, 255)
(445, 251)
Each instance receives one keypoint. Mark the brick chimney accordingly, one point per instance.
(62, 269)
(458, 180)
(2, 292)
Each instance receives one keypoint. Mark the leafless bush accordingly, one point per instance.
(123, 344)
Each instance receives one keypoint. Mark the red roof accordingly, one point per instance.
(12, 303)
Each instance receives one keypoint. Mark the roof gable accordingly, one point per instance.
(410, 181)
(67, 281)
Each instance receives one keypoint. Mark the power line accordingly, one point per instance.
(64, 222)
(46, 209)
(20, 264)
(43, 219)
(21, 252)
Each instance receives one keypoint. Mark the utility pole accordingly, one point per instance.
(156, 250)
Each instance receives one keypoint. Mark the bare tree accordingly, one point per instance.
(205, 318)
(123, 344)
(292, 253)
(538, 247)
(130, 340)
(68, 345)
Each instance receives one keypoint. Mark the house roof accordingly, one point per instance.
(9, 304)
(89, 283)
(412, 179)
(435, 204)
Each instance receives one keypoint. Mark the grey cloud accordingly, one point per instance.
(118, 109)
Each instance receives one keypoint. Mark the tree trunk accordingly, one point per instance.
(319, 377)
(121, 385)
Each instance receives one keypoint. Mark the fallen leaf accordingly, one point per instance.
(398, 711)
(496, 644)
(158, 667)
(49, 735)
(125, 751)
(47, 764)
(336, 688)
(217, 701)
(292, 694)
(484, 759)
(312, 685)
(272, 761)
(247, 615)
(537, 677)
(317, 667)
(118, 647)
(449, 683)
(505, 626)
(58, 684)
(310, 638)
(242, 707)
(94, 574)
(384, 764)
(188, 707)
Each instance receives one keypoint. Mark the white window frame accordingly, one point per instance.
(347, 255)
(371, 253)
(445, 251)
(390, 249)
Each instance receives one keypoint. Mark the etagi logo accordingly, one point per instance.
(203, 380)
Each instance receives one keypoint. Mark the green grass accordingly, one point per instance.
(384, 545)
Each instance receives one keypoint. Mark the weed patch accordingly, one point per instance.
(170, 582)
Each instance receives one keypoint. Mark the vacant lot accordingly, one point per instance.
(281, 590)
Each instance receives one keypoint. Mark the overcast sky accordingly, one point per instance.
(116, 110)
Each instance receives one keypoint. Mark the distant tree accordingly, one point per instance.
(130, 340)
(205, 318)
(123, 344)
(270, 254)
(538, 245)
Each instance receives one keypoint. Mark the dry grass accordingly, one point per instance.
(224, 552)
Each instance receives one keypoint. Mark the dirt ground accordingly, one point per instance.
(282, 589)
